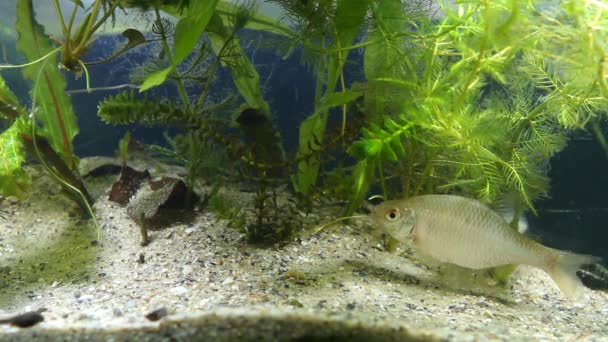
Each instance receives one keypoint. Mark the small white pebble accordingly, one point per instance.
(178, 291)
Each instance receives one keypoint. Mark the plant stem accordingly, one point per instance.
(61, 20)
(104, 18)
(522, 125)
(410, 168)
(382, 179)
(254, 19)
(180, 85)
(473, 73)
(213, 70)
(191, 176)
(425, 174)
(600, 136)
(343, 88)
(71, 24)
(87, 32)
(10, 66)
(91, 28)
(518, 211)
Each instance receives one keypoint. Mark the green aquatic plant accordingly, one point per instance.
(256, 147)
(46, 132)
(486, 97)
(125, 108)
(13, 179)
(227, 209)
(326, 29)
(474, 99)
(123, 148)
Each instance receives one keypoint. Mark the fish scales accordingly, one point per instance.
(467, 233)
(462, 231)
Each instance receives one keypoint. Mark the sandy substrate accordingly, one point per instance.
(337, 284)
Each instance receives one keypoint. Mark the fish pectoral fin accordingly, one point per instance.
(563, 273)
(500, 274)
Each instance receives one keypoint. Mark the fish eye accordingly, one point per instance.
(392, 215)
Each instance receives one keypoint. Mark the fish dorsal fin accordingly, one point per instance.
(505, 207)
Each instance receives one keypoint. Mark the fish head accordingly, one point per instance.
(395, 219)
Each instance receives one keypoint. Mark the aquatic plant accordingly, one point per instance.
(472, 99)
(481, 99)
(326, 30)
(47, 131)
(196, 118)
(256, 147)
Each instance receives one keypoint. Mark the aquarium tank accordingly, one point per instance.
(264, 169)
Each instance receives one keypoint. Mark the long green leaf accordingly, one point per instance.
(350, 16)
(187, 33)
(13, 179)
(56, 112)
(363, 175)
(244, 75)
(311, 131)
(338, 99)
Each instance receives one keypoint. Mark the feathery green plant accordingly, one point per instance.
(487, 95)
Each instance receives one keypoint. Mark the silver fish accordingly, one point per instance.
(467, 233)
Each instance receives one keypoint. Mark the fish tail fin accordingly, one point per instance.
(563, 272)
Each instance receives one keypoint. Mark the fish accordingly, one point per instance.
(24, 320)
(463, 231)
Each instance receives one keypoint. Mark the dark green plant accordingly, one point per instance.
(202, 126)
(274, 223)
(227, 209)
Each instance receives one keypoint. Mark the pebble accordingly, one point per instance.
(87, 298)
(179, 291)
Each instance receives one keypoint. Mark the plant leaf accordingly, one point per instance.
(155, 79)
(78, 3)
(364, 149)
(363, 175)
(309, 169)
(338, 99)
(56, 114)
(9, 105)
(13, 178)
(244, 75)
(187, 33)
